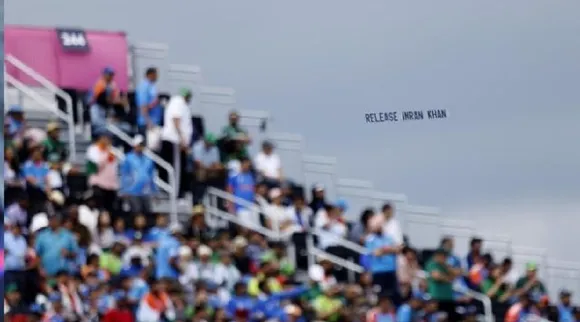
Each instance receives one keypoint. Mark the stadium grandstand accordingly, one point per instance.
(128, 202)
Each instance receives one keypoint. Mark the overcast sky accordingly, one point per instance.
(508, 72)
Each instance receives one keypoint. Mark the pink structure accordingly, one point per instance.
(40, 49)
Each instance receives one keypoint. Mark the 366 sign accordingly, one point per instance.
(73, 39)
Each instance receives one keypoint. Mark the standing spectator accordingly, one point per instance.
(268, 165)
(360, 230)
(53, 147)
(332, 228)
(392, 226)
(102, 170)
(301, 214)
(166, 257)
(103, 95)
(495, 287)
(530, 283)
(18, 212)
(236, 137)
(383, 259)
(15, 251)
(408, 267)
(13, 181)
(209, 171)
(137, 177)
(448, 244)
(318, 200)
(565, 309)
(176, 138)
(243, 186)
(150, 113)
(509, 272)
(56, 247)
(475, 246)
(440, 283)
(36, 171)
(278, 219)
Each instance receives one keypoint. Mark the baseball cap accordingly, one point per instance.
(108, 70)
(185, 92)
(275, 193)
(15, 109)
(138, 140)
(51, 126)
(198, 210)
(531, 266)
(342, 204)
(318, 187)
(565, 293)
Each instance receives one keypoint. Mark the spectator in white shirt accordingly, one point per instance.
(176, 138)
(227, 275)
(268, 164)
(138, 251)
(300, 213)
(332, 225)
(392, 227)
(277, 217)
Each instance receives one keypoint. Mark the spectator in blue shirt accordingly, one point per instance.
(565, 308)
(15, 249)
(56, 247)
(243, 186)
(137, 178)
(150, 112)
(35, 171)
(410, 311)
(383, 259)
(166, 257)
(160, 230)
(15, 121)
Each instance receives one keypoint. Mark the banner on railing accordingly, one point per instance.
(57, 58)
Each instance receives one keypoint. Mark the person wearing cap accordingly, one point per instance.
(565, 308)
(318, 200)
(54, 148)
(150, 112)
(102, 169)
(209, 170)
(530, 283)
(277, 218)
(167, 255)
(176, 138)
(269, 165)
(35, 172)
(16, 124)
(137, 178)
(102, 96)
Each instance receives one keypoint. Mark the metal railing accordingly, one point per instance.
(9, 79)
(55, 90)
(484, 299)
(213, 212)
(171, 186)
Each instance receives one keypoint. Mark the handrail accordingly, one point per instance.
(342, 242)
(484, 299)
(246, 204)
(51, 87)
(48, 105)
(159, 161)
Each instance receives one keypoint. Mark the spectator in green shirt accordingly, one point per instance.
(440, 282)
(496, 287)
(112, 261)
(530, 283)
(236, 138)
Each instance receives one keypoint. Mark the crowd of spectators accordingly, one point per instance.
(83, 243)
